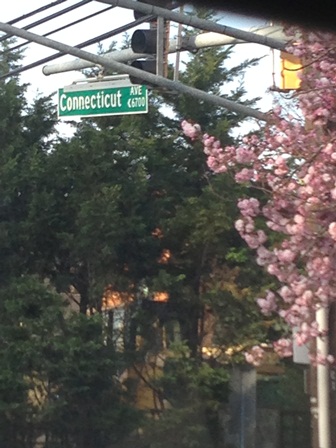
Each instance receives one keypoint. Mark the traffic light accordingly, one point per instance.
(148, 65)
(144, 41)
(291, 66)
(152, 41)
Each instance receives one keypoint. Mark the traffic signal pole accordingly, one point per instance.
(160, 45)
(126, 69)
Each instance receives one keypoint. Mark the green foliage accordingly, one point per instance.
(81, 214)
(186, 379)
(285, 392)
(195, 393)
(57, 376)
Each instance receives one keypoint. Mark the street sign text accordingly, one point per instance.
(95, 102)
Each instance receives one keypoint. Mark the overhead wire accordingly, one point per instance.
(87, 43)
(68, 25)
(36, 11)
(56, 14)
(30, 14)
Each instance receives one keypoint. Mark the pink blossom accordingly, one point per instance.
(267, 305)
(255, 355)
(318, 358)
(325, 66)
(286, 293)
(191, 130)
(239, 225)
(265, 256)
(273, 269)
(284, 347)
(249, 207)
(286, 256)
(245, 175)
(306, 299)
(244, 156)
(294, 165)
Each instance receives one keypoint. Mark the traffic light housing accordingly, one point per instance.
(148, 65)
(144, 41)
(291, 66)
(153, 42)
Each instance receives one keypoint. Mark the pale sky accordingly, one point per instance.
(258, 79)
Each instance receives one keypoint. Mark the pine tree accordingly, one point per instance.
(129, 205)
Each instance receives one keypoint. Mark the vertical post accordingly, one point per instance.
(242, 405)
(332, 372)
(160, 31)
(178, 48)
(312, 380)
(166, 39)
(323, 392)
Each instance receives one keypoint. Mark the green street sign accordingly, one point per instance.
(94, 101)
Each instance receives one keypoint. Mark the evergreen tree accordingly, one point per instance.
(59, 380)
(126, 203)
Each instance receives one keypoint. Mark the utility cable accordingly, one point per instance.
(30, 14)
(52, 16)
(76, 22)
(92, 41)
(56, 14)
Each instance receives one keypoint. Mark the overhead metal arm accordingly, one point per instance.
(195, 22)
(188, 43)
(123, 68)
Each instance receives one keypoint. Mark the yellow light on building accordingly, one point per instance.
(115, 299)
(157, 232)
(161, 296)
(165, 256)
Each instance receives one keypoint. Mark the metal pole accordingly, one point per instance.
(80, 64)
(195, 22)
(178, 49)
(160, 44)
(191, 43)
(212, 39)
(123, 68)
(323, 392)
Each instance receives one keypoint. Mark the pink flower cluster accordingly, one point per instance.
(318, 358)
(293, 161)
(192, 131)
(255, 355)
(284, 347)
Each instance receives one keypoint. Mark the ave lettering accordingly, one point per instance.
(136, 90)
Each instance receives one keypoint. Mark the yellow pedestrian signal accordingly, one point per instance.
(291, 66)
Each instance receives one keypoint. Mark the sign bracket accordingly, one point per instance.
(98, 82)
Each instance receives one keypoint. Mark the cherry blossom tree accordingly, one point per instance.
(293, 161)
